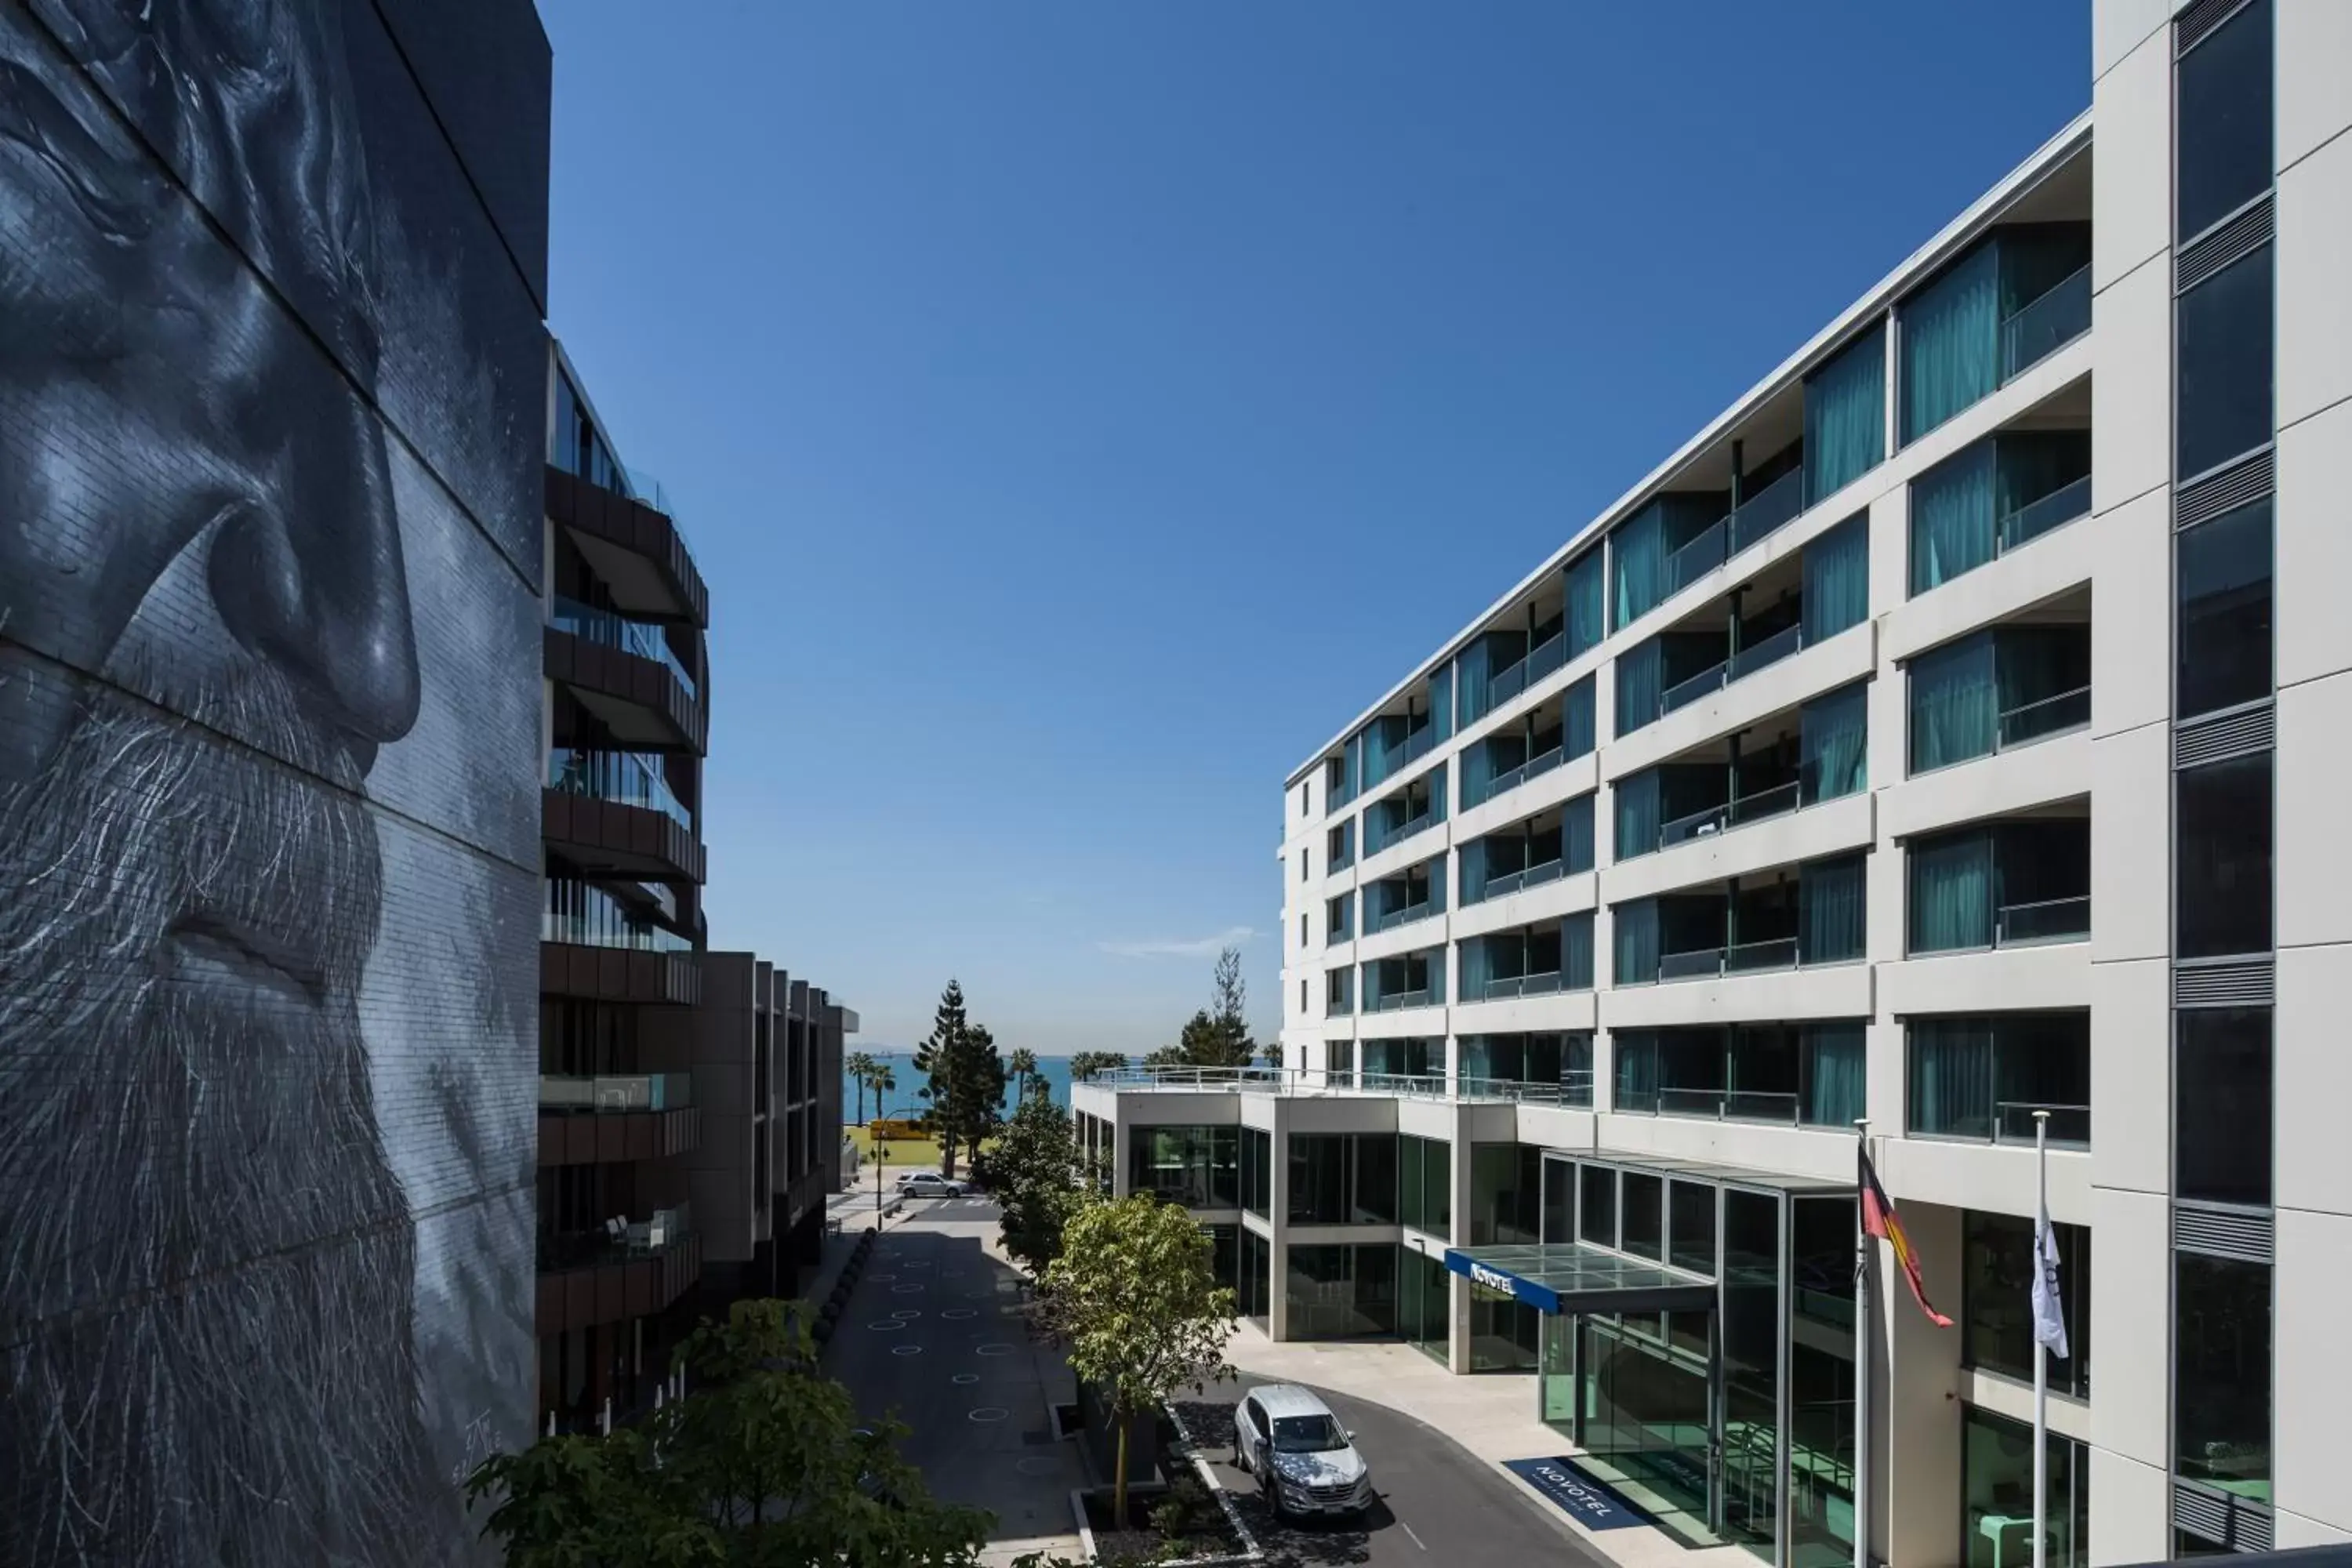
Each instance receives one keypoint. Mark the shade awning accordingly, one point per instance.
(1569, 1276)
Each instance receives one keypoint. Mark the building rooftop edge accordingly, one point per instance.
(2066, 143)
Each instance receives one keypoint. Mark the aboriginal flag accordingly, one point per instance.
(1879, 1219)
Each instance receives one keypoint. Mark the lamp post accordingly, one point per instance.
(881, 1158)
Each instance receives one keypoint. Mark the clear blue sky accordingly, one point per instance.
(1081, 408)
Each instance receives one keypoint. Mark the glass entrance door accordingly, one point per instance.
(1648, 1417)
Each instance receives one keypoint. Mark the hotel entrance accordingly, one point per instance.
(1698, 1345)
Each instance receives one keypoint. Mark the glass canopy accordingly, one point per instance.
(1569, 1277)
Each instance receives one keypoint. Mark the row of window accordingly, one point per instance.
(2014, 297)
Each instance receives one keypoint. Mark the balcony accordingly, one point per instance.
(2002, 493)
(1539, 960)
(1763, 922)
(2019, 881)
(613, 814)
(1982, 1079)
(1409, 980)
(626, 676)
(612, 1119)
(605, 629)
(2043, 326)
(1413, 894)
(1555, 730)
(620, 1271)
(1787, 1075)
(634, 544)
(597, 943)
(2008, 686)
(1402, 813)
(1529, 853)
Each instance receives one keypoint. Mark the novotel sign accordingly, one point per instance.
(1540, 1297)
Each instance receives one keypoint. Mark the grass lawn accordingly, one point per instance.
(906, 1153)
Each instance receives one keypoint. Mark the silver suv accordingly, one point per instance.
(1305, 1462)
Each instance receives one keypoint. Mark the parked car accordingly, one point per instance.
(923, 1185)
(1305, 1462)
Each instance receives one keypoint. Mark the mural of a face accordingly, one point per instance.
(206, 1260)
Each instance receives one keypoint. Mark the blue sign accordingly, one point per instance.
(1592, 1503)
(1542, 1298)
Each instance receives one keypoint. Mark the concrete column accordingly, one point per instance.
(1916, 1409)
(1457, 1297)
(1278, 1252)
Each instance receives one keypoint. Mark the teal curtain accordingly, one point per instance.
(1576, 953)
(1845, 417)
(1637, 1069)
(1587, 602)
(1478, 772)
(1477, 967)
(1640, 682)
(1441, 703)
(1437, 885)
(1829, 925)
(1575, 835)
(1577, 735)
(1837, 579)
(1355, 769)
(2033, 663)
(1954, 708)
(1835, 745)
(1637, 821)
(1474, 871)
(1952, 892)
(1377, 740)
(1434, 958)
(1634, 927)
(1951, 342)
(1637, 551)
(1437, 796)
(1471, 667)
(1836, 1067)
(1952, 517)
(1951, 1077)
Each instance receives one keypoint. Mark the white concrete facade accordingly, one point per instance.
(2111, 570)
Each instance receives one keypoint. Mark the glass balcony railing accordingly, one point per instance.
(1704, 962)
(1729, 1104)
(2031, 721)
(1518, 882)
(2012, 1122)
(618, 1240)
(1534, 766)
(1776, 953)
(1415, 747)
(607, 629)
(2046, 921)
(586, 914)
(616, 1091)
(2034, 519)
(1573, 1088)
(1702, 554)
(1778, 801)
(1685, 692)
(1395, 918)
(1772, 650)
(1503, 986)
(1374, 844)
(625, 778)
(1518, 676)
(1768, 509)
(1395, 1000)
(2043, 327)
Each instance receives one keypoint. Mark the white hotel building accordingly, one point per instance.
(1916, 743)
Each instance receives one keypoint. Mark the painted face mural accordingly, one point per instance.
(268, 524)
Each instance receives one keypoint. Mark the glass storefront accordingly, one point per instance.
(1425, 1183)
(1341, 1291)
(1343, 1178)
(1503, 1333)
(1198, 1167)
(1424, 1304)
(1251, 1291)
(1506, 1192)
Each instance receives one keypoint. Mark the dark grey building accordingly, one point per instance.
(272, 283)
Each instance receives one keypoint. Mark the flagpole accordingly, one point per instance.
(1861, 1348)
(2041, 1350)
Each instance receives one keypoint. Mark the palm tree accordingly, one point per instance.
(859, 1065)
(885, 1080)
(1024, 1064)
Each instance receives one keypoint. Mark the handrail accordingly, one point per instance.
(1698, 555)
(2042, 921)
(1683, 692)
(1697, 824)
(1773, 952)
(1768, 509)
(1534, 767)
(2042, 718)
(2038, 517)
(616, 1091)
(1772, 650)
(1405, 916)
(2046, 323)
(1534, 876)
(1546, 984)
(1396, 1001)
(2069, 1124)
(607, 628)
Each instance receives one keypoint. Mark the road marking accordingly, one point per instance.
(1416, 1540)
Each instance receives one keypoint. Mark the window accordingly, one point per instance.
(1338, 992)
(1559, 1202)
(1302, 930)
(1985, 1076)
(1340, 1057)
(1644, 1215)
(1846, 416)
(2225, 584)
(1997, 1299)
(2222, 870)
(1425, 1184)
(2223, 148)
(1257, 1170)
(1691, 1241)
(1198, 1167)
(1341, 1291)
(1506, 1194)
(1997, 1467)
(1339, 918)
(1302, 990)
(1597, 1222)
(1302, 864)
(2222, 1373)
(2224, 362)
(2223, 1117)
(1343, 1178)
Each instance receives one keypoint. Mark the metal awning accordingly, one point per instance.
(1569, 1276)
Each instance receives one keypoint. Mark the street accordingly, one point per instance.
(934, 1335)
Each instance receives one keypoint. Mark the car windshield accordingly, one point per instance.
(1307, 1435)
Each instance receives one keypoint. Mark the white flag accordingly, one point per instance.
(2049, 1319)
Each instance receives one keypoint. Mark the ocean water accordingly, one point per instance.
(908, 1080)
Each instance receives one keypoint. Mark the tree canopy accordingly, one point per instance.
(1085, 1065)
(1217, 1036)
(1134, 1295)
(966, 1088)
(1038, 1177)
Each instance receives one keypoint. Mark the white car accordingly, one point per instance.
(927, 1185)
(1305, 1462)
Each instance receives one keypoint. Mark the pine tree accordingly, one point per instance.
(966, 1091)
(1218, 1036)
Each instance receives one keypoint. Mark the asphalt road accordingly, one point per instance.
(1440, 1506)
(935, 1337)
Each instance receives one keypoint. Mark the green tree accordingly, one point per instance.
(764, 1465)
(1134, 1294)
(858, 1068)
(966, 1089)
(1022, 1064)
(1037, 1174)
(1218, 1036)
(1085, 1065)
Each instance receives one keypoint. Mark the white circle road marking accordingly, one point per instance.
(906, 1350)
(904, 1289)
(963, 1378)
(958, 1314)
(886, 1325)
(988, 1413)
(903, 1313)
(881, 1278)
(994, 1350)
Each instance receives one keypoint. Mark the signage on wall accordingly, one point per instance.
(1592, 1503)
(1542, 1297)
